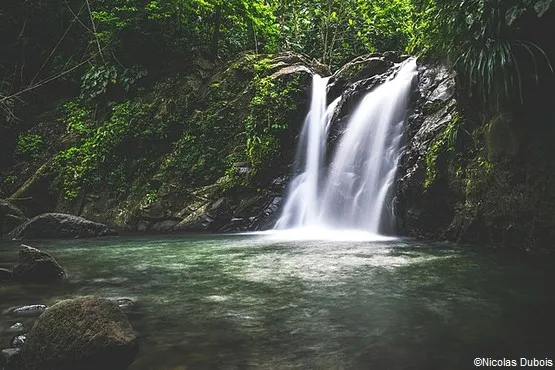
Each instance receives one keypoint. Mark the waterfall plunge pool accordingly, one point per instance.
(255, 302)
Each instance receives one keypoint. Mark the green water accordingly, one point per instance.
(245, 302)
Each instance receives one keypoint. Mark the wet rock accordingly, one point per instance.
(16, 328)
(30, 310)
(10, 358)
(143, 226)
(126, 304)
(85, 333)
(419, 212)
(5, 275)
(164, 225)
(10, 216)
(392, 56)
(59, 226)
(255, 213)
(360, 68)
(18, 341)
(220, 209)
(35, 265)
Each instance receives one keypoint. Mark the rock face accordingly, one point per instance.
(35, 265)
(84, 333)
(10, 216)
(472, 176)
(59, 226)
(420, 210)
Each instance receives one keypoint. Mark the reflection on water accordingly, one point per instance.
(255, 302)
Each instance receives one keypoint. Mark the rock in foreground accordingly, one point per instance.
(59, 226)
(85, 333)
(38, 266)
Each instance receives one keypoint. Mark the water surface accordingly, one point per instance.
(255, 302)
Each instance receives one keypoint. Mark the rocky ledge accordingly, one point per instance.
(59, 226)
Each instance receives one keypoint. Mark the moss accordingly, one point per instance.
(478, 174)
(84, 333)
(502, 138)
(433, 106)
(443, 145)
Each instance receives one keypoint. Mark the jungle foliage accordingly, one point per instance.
(95, 61)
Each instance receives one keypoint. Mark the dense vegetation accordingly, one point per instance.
(112, 93)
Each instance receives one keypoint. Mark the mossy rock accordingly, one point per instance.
(502, 137)
(38, 266)
(59, 226)
(362, 67)
(86, 333)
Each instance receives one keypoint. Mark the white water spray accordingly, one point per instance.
(353, 194)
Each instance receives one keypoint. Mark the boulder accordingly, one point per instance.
(10, 216)
(360, 68)
(35, 265)
(59, 226)
(30, 310)
(16, 328)
(84, 333)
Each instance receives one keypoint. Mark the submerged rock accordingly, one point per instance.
(38, 266)
(85, 333)
(59, 226)
(5, 275)
(126, 304)
(9, 358)
(16, 328)
(31, 310)
(18, 341)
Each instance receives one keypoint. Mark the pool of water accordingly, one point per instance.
(257, 302)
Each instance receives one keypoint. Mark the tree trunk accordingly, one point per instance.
(216, 33)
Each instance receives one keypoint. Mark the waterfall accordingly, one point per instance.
(354, 193)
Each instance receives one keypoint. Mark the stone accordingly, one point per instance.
(16, 328)
(18, 341)
(9, 358)
(363, 67)
(10, 216)
(164, 226)
(5, 275)
(503, 139)
(30, 310)
(85, 333)
(38, 266)
(126, 304)
(59, 226)
(392, 56)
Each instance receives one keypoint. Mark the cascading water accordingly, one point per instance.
(302, 205)
(353, 193)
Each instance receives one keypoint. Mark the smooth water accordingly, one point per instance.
(354, 193)
(255, 302)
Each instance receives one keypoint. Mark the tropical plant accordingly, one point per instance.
(481, 39)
